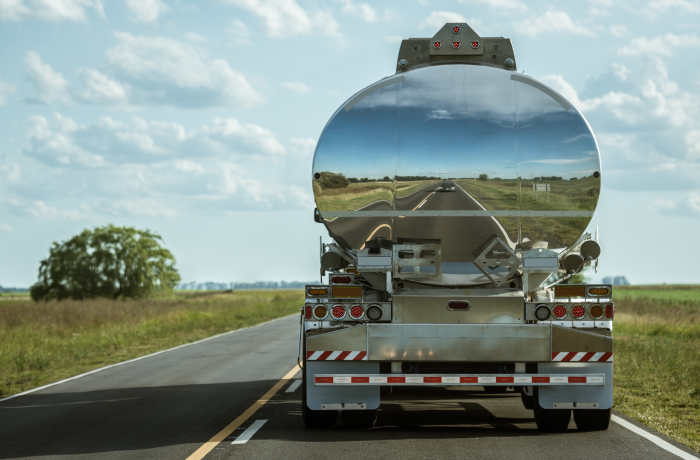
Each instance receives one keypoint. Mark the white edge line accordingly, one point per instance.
(247, 434)
(510, 243)
(655, 439)
(144, 357)
(293, 387)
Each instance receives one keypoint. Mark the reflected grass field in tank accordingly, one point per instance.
(564, 195)
(44, 342)
(657, 358)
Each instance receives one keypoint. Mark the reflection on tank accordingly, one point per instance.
(387, 155)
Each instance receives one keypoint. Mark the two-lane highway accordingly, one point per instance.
(169, 405)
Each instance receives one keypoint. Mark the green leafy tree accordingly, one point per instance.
(483, 177)
(108, 262)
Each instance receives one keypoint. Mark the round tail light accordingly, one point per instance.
(542, 312)
(559, 312)
(596, 311)
(374, 312)
(338, 312)
(356, 312)
(320, 312)
(578, 311)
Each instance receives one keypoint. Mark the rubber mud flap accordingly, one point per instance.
(592, 419)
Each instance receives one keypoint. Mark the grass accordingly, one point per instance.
(657, 358)
(42, 342)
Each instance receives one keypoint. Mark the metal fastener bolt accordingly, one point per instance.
(495, 47)
(509, 62)
(403, 63)
(417, 56)
(494, 56)
(415, 48)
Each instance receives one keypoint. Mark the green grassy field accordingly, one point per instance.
(44, 342)
(657, 358)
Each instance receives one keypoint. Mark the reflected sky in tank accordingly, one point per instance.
(458, 121)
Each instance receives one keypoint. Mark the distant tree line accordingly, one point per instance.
(12, 289)
(260, 285)
(414, 178)
(548, 178)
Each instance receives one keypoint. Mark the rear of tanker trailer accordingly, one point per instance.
(455, 289)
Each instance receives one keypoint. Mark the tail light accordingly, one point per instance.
(578, 311)
(374, 312)
(609, 311)
(338, 312)
(596, 312)
(341, 279)
(542, 312)
(307, 312)
(356, 312)
(559, 312)
(320, 312)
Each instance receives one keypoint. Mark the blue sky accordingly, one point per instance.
(198, 120)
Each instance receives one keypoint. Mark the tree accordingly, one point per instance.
(483, 177)
(106, 262)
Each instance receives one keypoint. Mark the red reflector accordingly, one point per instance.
(432, 379)
(323, 379)
(505, 380)
(608, 311)
(577, 379)
(342, 280)
(469, 380)
(540, 380)
(307, 311)
(396, 380)
(359, 380)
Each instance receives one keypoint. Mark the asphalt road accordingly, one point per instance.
(167, 406)
(455, 232)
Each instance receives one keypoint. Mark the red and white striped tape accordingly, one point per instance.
(413, 379)
(581, 356)
(336, 356)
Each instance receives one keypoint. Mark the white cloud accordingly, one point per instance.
(239, 33)
(100, 89)
(297, 87)
(285, 18)
(551, 21)
(394, 39)
(664, 45)
(5, 227)
(147, 11)
(437, 19)
(687, 207)
(49, 10)
(50, 85)
(503, 5)
(618, 30)
(6, 89)
(195, 38)
(166, 72)
(362, 10)
(303, 146)
(189, 166)
(660, 6)
(139, 208)
(620, 71)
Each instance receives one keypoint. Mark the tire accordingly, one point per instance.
(528, 401)
(592, 419)
(359, 419)
(552, 419)
(314, 419)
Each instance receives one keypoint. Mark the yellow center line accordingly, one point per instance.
(375, 231)
(419, 204)
(221, 435)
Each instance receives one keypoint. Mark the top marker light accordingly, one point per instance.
(456, 29)
(437, 45)
(475, 44)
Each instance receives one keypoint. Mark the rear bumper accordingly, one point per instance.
(458, 380)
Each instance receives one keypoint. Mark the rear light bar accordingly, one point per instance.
(458, 379)
(570, 311)
(348, 311)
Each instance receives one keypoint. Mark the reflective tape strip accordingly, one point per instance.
(581, 356)
(448, 380)
(336, 356)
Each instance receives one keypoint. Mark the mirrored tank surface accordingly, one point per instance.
(457, 141)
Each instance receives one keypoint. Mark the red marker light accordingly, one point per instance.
(609, 311)
(338, 312)
(456, 29)
(559, 312)
(357, 312)
(437, 45)
(475, 44)
(456, 45)
(578, 311)
(307, 312)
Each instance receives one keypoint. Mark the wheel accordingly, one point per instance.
(552, 419)
(359, 419)
(314, 418)
(528, 401)
(592, 419)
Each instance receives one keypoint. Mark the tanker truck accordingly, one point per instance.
(469, 288)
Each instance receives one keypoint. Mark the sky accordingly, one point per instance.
(198, 120)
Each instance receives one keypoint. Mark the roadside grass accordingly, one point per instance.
(44, 342)
(657, 358)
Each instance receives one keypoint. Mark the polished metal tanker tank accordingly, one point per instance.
(457, 149)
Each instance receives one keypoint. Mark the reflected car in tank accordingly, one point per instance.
(446, 187)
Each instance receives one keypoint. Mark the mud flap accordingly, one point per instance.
(551, 395)
(316, 396)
